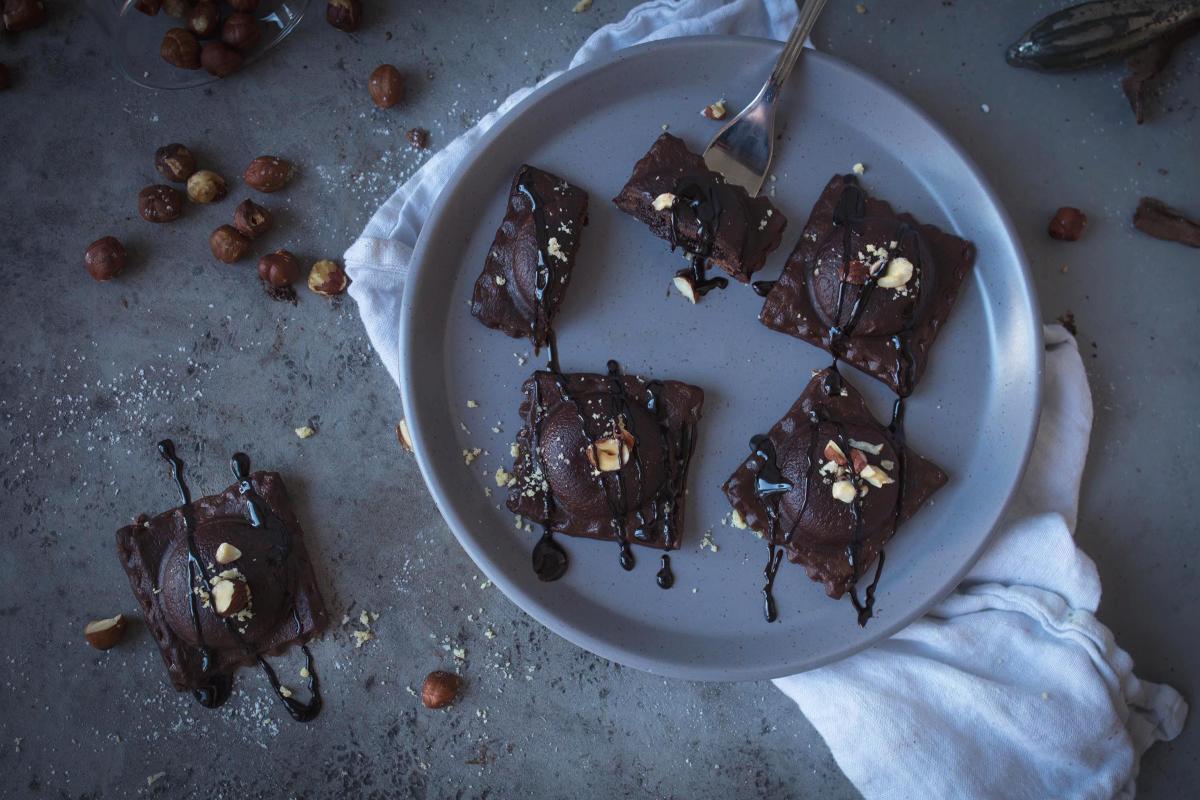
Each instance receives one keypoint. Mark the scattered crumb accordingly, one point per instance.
(504, 477)
(521, 358)
(305, 431)
(304, 673)
(403, 436)
(715, 110)
(459, 653)
(858, 168)
(665, 126)
(860, 8)
(285, 691)
(472, 404)
(362, 637)
(735, 519)
(581, 6)
(707, 542)
(489, 633)
(155, 778)
(985, 108)
(485, 585)
(501, 280)
(513, 450)
(470, 455)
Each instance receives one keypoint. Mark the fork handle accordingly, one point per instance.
(795, 44)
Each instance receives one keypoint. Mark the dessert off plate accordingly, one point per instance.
(974, 412)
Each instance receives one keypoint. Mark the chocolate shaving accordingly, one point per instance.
(1156, 218)
(1147, 63)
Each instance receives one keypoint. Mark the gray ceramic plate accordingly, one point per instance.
(975, 411)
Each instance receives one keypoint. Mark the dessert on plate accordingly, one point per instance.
(683, 201)
(604, 457)
(871, 286)
(225, 581)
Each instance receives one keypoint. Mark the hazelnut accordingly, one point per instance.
(251, 219)
(857, 272)
(279, 269)
(899, 272)
(663, 201)
(105, 258)
(240, 31)
(243, 5)
(230, 596)
(206, 186)
(180, 48)
(609, 455)
(418, 138)
(1068, 224)
(204, 19)
(227, 553)
(386, 85)
(175, 162)
(104, 634)
(228, 244)
(844, 491)
(160, 203)
(5, 80)
(439, 689)
(684, 284)
(834, 453)
(858, 460)
(148, 7)
(328, 278)
(345, 15)
(875, 476)
(176, 8)
(715, 110)
(405, 438)
(220, 59)
(268, 173)
(23, 15)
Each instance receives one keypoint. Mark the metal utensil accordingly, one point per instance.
(742, 150)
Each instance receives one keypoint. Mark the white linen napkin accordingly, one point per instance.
(1008, 688)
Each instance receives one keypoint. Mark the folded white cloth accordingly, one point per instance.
(1008, 688)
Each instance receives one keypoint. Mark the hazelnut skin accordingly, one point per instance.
(204, 19)
(418, 138)
(251, 219)
(220, 59)
(243, 5)
(228, 244)
(149, 7)
(240, 31)
(345, 15)
(386, 85)
(206, 186)
(23, 15)
(268, 173)
(5, 80)
(279, 269)
(439, 689)
(160, 203)
(175, 162)
(105, 258)
(180, 48)
(327, 278)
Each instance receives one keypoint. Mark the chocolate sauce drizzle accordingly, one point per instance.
(544, 279)
(219, 687)
(849, 212)
(702, 194)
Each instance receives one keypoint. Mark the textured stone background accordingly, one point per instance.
(92, 375)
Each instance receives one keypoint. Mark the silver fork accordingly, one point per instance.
(742, 150)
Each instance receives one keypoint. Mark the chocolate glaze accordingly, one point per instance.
(714, 221)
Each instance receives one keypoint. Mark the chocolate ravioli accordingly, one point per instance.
(172, 563)
(829, 485)
(528, 268)
(713, 221)
(604, 457)
(871, 286)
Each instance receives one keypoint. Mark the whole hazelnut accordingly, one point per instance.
(228, 244)
(328, 278)
(386, 86)
(204, 19)
(180, 48)
(251, 219)
(418, 138)
(160, 203)
(23, 15)
(279, 269)
(175, 162)
(243, 5)
(5, 80)
(345, 15)
(240, 31)
(220, 59)
(1068, 224)
(439, 689)
(206, 186)
(104, 634)
(148, 7)
(268, 173)
(176, 8)
(105, 258)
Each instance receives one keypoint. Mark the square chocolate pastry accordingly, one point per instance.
(223, 581)
(528, 268)
(871, 286)
(830, 484)
(605, 456)
(689, 205)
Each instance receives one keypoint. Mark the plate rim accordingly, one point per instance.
(458, 525)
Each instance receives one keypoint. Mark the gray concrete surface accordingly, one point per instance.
(91, 375)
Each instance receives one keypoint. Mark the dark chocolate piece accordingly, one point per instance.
(711, 219)
(871, 286)
(604, 457)
(1156, 218)
(172, 565)
(789, 487)
(528, 267)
